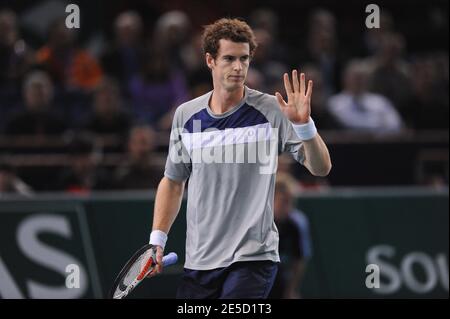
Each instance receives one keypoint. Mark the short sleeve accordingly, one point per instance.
(178, 163)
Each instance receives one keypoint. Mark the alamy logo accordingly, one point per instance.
(257, 144)
(73, 277)
(373, 19)
(373, 279)
(73, 19)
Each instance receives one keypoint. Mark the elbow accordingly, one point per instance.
(323, 171)
(173, 185)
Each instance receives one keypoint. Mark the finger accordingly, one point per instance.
(287, 85)
(158, 266)
(295, 81)
(158, 269)
(159, 254)
(302, 83)
(152, 273)
(159, 258)
(280, 100)
(310, 89)
(155, 271)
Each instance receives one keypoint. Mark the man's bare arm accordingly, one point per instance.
(317, 157)
(167, 205)
(298, 110)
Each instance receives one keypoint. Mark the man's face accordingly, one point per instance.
(229, 68)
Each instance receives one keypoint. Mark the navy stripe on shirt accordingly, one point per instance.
(245, 116)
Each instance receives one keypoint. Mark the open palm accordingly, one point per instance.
(298, 106)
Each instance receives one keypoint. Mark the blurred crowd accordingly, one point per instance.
(131, 84)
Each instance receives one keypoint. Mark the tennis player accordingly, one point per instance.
(232, 240)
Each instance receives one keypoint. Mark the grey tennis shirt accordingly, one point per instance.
(230, 160)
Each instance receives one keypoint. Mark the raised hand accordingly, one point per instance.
(298, 106)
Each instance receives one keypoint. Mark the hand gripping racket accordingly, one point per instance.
(136, 269)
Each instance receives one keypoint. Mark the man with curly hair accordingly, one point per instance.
(232, 240)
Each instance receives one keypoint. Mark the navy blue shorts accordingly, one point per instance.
(241, 280)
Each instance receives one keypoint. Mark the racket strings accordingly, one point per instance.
(141, 266)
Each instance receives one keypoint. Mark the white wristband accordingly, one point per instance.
(158, 238)
(305, 131)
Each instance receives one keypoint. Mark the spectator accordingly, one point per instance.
(295, 243)
(265, 64)
(139, 171)
(389, 73)
(108, 117)
(269, 61)
(158, 90)
(267, 20)
(83, 175)
(15, 55)
(373, 37)
(357, 109)
(172, 36)
(197, 74)
(430, 84)
(122, 60)
(67, 64)
(322, 49)
(38, 118)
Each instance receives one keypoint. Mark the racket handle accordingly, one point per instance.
(170, 259)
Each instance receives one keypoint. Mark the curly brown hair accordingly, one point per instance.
(228, 29)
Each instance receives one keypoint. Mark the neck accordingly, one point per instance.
(223, 100)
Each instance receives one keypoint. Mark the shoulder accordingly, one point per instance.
(267, 104)
(186, 110)
(260, 99)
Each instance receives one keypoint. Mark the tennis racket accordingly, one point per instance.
(136, 269)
